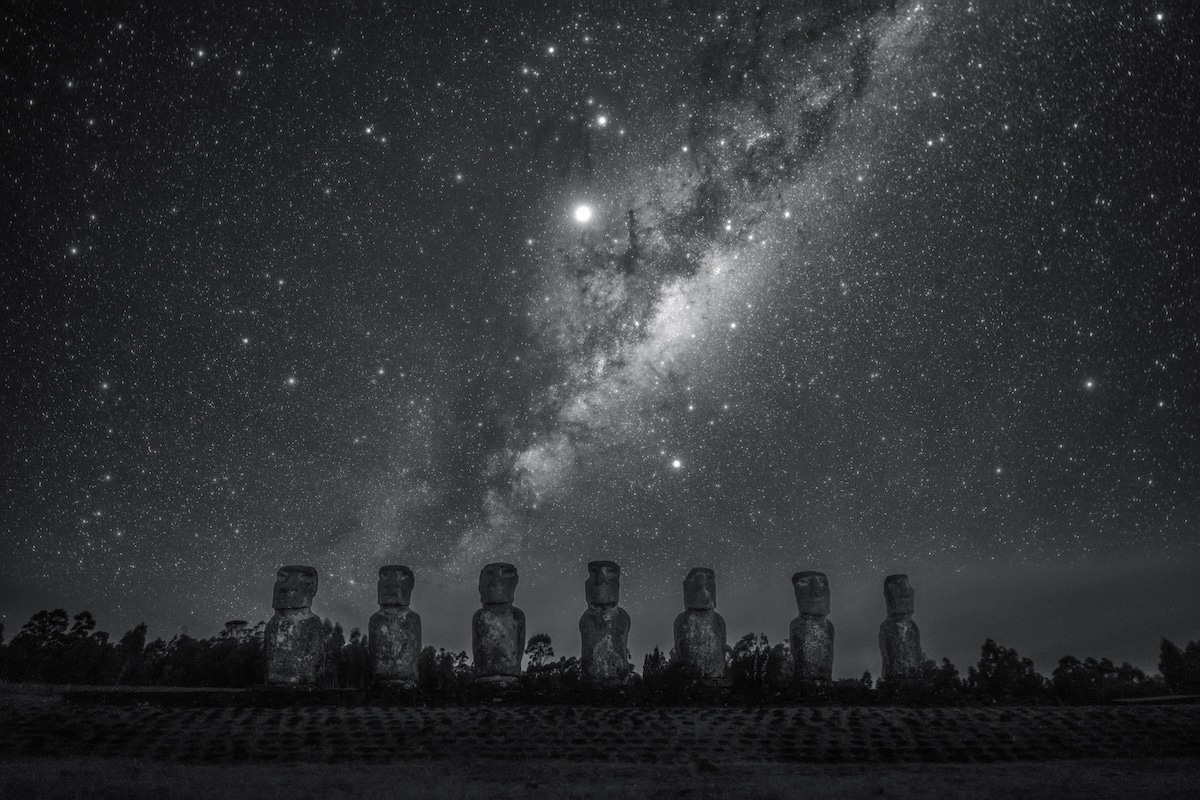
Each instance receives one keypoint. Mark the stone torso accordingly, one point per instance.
(294, 648)
(700, 643)
(604, 633)
(498, 641)
(812, 648)
(900, 648)
(394, 639)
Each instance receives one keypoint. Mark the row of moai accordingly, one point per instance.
(294, 642)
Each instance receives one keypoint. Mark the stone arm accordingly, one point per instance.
(623, 625)
(623, 621)
(519, 618)
(477, 634)
(269, 639)
(723, 643)
(885, 650)
(416, 628)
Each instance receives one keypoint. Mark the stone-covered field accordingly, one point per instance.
(516, 749)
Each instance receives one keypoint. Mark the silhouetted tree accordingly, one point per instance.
(855, 691)
(748, 661)
(36, 652)
(1003, 675)
(154, 663)
(654, 664)
(356, 661)
(335, 640)
(85, 623)
(234, 629)
(441, 672)
(1180, 668)
(941, 682)
(665, 678)
(85, 653)
(1092, 681)
(129, 657)
(540, 650)
(780, 667)
(556, 677)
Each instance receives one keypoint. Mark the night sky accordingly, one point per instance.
(864, 287)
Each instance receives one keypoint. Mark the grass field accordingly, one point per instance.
(49, 748)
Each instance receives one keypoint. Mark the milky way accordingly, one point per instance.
(863, 287)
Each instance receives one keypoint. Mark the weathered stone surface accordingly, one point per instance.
(294, 641)
(394, 631)
(899, 637)
(498, 629)
(700, 630)
(604, 627)
(812, 632)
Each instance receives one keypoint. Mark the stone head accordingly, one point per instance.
(700, 589)
(899, 595)
(497, 583)
(395, 585)
(812, 593)
(603, 584)
(295, 586)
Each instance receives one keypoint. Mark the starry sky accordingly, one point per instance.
(864, 287)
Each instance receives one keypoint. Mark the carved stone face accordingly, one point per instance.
(899, 594)
(395, 585)
(295, 586)
(812, 593)
(700, 589)
(497, 583)
(603, 585)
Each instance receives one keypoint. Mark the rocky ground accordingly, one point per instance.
(161, 750)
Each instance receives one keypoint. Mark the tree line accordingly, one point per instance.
(54, 647)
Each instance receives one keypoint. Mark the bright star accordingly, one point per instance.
(583, 213)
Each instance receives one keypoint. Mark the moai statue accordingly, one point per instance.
(700, 630)
(899, 638)
(604, 627)
(394, 632)
(294, 642)
(498, 629)
(812, 632)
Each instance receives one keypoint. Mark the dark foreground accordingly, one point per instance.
(49, 748)
(130, 779)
